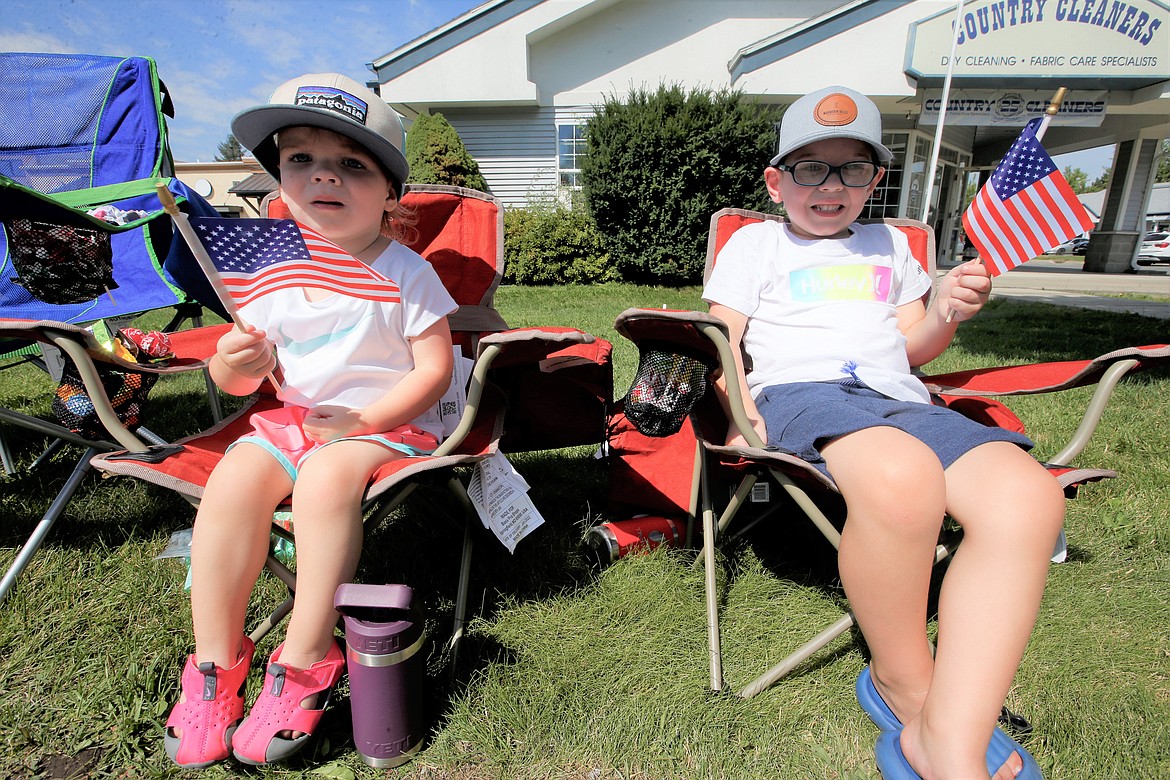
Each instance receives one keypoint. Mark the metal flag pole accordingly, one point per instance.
(205, 263)
(942, 113)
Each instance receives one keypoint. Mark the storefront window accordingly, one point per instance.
(884, 201)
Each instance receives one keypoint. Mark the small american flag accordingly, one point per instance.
(257, 256)
(1025, 208)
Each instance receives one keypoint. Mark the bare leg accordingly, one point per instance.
(327, 524)
(1011, 511)
(229, 545)
(895, 505)
(228, 548)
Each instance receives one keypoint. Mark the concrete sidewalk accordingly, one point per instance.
(1062, 282)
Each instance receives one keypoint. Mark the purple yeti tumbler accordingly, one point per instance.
(383, 637)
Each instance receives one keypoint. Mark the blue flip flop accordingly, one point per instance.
(893, 765)
(998, 750)
(874, 705)
(891, 761)
(1003, 746)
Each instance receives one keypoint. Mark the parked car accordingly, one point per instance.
(1070, 247)
(1155, 248)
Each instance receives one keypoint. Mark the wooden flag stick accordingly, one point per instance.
(205, 263)
(1052, 110)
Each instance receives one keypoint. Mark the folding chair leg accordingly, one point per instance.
(713, 645)
(461, 596)
(464, 569)
(765, 680)
(285, 575)
(273, 620)
(6, 455)
(50, 517)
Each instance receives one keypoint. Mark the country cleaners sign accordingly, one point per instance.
(1013, 107)
(1072, 39)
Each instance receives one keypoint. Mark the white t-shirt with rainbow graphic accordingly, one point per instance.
(822, 310)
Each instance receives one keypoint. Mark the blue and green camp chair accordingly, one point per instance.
(83, 238)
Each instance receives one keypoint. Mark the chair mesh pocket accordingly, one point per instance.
(61, 264)
(127, 391)
(665, 389)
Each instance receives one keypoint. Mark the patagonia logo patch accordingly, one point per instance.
(842, 283)
(333, 99)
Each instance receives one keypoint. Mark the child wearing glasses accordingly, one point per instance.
(832, 315)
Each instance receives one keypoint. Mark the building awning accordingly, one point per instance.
(255, 186)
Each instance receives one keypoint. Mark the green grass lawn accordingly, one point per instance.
(575, 673)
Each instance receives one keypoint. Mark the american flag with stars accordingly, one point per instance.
(257, 256)
(1025, 208)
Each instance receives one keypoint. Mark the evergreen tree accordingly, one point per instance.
(1077, 179)
(437, 155)
(229, 149)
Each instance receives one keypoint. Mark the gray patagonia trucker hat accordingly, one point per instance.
(330, 101)
(832, 112)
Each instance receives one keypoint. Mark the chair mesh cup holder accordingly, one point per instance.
(61, 264)
(127, 391)
(668, 384)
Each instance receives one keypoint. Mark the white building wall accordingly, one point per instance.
(491, 67)
(643, 43)
(857, 57)
(515, 149)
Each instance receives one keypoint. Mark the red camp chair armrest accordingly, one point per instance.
(1045, 377)
(1104, 372)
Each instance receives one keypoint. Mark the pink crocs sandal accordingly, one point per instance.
(279, 708)
(211, 712)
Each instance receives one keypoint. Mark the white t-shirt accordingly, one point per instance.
(347, 351)
(822, 310)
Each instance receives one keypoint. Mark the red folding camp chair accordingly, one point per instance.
(460, 232)
(701, 338)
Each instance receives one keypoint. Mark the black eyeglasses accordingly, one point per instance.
(814, 173)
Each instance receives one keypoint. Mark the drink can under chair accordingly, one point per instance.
(384, 638)
(610, 541)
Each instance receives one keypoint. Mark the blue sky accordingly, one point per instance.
(218, 57)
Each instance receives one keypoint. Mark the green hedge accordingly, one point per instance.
(554, 244)
(660, 163)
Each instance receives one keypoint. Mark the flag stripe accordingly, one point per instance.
(305, 277)
(1031, 211)
(1043, 202)
(995, 232)
(1022, 225)
(980, 232)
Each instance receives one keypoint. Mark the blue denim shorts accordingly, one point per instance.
(802, 416)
